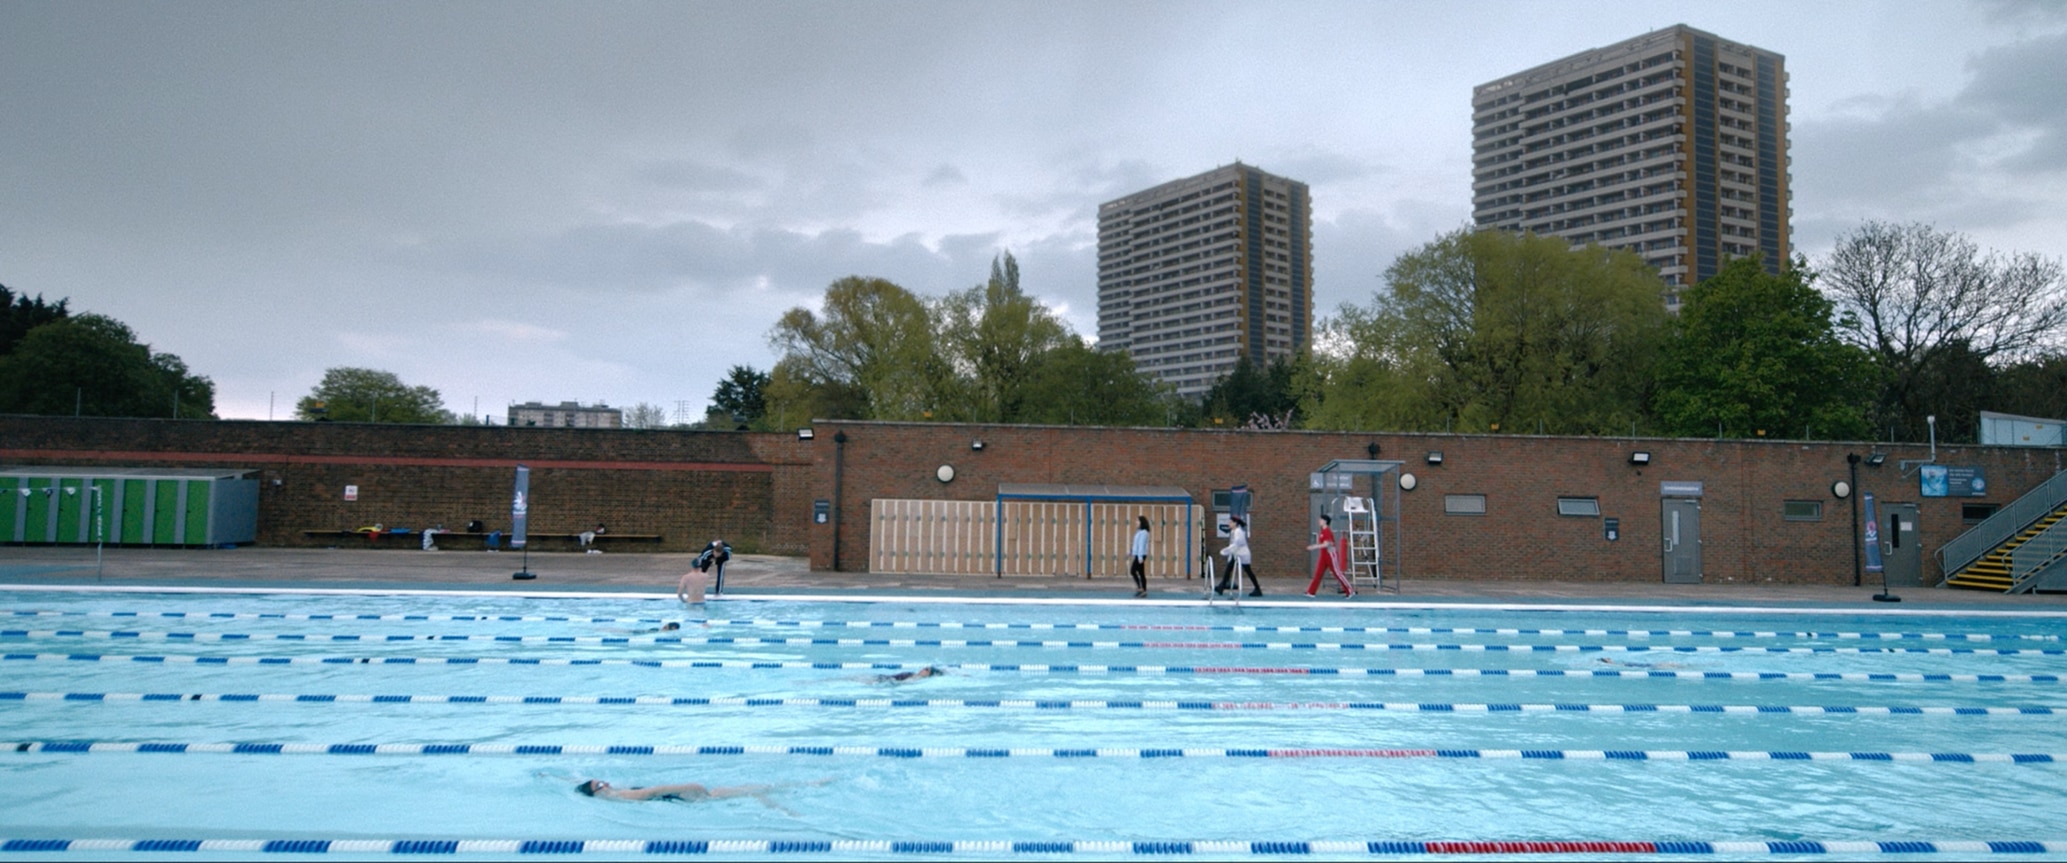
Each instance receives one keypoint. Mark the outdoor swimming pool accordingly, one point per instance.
(460, 721)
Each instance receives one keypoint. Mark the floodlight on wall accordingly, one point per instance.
(976, 445)
(1435, 456)
(1876, 459)
(804, 434)
(1639, 458)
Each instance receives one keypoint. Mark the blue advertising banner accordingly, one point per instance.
(1872, 538)
(520, 506)
(1944, 481)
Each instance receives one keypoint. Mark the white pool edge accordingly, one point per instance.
(964, 599)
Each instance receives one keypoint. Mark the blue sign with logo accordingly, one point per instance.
(1937, 480)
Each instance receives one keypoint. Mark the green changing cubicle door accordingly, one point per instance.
(134, 493)
(69, 497)
(197, 511)
(36, 527)
(165, 512)
(10, 503)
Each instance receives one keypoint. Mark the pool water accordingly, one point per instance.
(1052, 723)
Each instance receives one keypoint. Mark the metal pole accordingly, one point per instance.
(839, 465)
(100, 534)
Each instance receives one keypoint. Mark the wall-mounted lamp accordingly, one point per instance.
(804, 434)
(1435, 456)
(1876, 459)
(1639, 458)
(976, 445)
(1407, 482)
(1840, 489)
(1372, 448)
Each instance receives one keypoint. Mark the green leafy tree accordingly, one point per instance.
(992, 337)
(1752, 351)
(19, 315)
(742, 396)
(2033, 388)
(1925, 303)
(869, 355)
(92, 365)
(1072, 384)
(349, 394)
(1258, 395)
(1480, 328)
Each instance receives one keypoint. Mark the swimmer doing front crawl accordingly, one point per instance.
(685, 792)
(903, 676)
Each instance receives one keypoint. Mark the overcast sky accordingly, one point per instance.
(593, 201)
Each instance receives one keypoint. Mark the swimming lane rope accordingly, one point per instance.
(1030, 704)
(1091, 849)
(1013, 643)
(1033, 668)
(978, 625)
(92, 747)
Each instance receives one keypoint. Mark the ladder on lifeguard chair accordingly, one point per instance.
(1364, 566)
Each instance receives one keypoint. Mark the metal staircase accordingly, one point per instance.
(2022, 547)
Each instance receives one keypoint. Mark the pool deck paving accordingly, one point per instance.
(752, 575)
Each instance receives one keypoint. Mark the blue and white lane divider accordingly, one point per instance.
(93, 747)
(1049, 668)
(1030, 704)
(1094, 849)
(260, 615)
(927, 624)
(396, 638)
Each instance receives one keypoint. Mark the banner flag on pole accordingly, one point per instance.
(519, 506)
(1872, 538)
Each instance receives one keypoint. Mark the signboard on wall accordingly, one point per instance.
(351, 492)
(1938, 480)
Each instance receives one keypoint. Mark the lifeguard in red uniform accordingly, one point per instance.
(1330, 560)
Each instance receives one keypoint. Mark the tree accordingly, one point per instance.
(992, 336)
(645, 416)
(871, 352)
(1256, 395)
(1480, 328)
(367, 395)
(1922, 302)
(2033, 388)
(1754, 351)
(742, 396)
(1075, 385)
(92, 365)
(19, 315)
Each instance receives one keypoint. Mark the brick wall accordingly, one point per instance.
(1745, 484)
(689, 487)
(756, 490)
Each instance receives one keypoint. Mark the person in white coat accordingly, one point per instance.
(1139, 567)
(1237, 554)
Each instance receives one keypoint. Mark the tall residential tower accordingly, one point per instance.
(1672, 144)
(1195, 273)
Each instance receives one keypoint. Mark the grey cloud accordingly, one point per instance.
(693, 176)
(945, 175)
(1963, 162)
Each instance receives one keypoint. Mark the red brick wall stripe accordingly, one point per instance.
(286, 458)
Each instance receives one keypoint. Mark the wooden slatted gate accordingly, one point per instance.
(959, 537)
